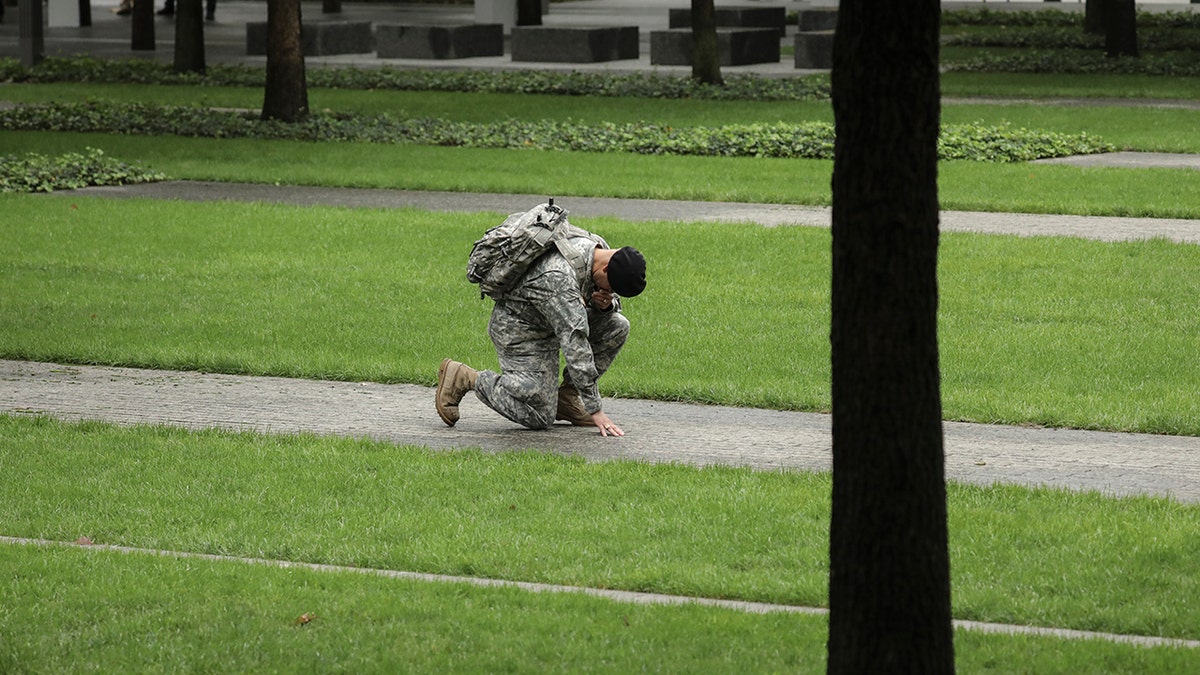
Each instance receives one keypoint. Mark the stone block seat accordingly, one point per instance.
(574, 44)
(814, 50)
(735, 46)
(440, 41)
(738, 16)
(817, 19)
(318, 38)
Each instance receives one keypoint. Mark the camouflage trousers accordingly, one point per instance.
(526, 389)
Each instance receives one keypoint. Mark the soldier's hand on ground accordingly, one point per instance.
(606, 425)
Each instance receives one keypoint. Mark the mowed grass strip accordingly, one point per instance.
(963, 185)
(1051, 331)
(1030, 557)
(72, 610)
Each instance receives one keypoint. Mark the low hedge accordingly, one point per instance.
(642, 85)
(1056, 17)
(1184, 62)
(1170, 64)
(1073, 37)
(39, 173)
(810, 140)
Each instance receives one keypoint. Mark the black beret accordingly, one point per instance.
(627, 272)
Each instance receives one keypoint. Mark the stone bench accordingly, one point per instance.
(818, 19)
(735, 46)
(735, 17)
(555, 44)
(318, 38)
(443, 41)
(814, 50)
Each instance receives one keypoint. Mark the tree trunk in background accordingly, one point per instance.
(189, 37)
(142, 26)
(1093, 17)
(889, 581)
(706, 60)
(1120, 28)
(529, 12)
(286, 96)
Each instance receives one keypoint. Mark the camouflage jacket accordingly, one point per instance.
(551, 296)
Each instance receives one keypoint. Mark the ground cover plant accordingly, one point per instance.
(381, 295)
(1052, 41)
(1127, 566)
(37, 173)
(1155, 126)
(811, 140)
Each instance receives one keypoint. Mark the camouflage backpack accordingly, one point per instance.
(506, 251)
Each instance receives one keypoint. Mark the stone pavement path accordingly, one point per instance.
(1115, 464)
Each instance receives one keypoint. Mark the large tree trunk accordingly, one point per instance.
(286, 96)
(141, 28)
(889, 585)
(189, 37)
(706, 60)
(1120, 28)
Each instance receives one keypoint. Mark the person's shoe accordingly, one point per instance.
(454, 381)
(210, 17)
(166, 11)
(570, 408)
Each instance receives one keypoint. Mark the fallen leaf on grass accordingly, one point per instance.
(305, 618)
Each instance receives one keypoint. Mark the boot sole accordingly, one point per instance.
(441, 386)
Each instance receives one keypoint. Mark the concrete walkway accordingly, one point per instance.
(1112, 463)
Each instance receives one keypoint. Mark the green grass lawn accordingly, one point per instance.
(1033, 330)
(967, 186)
(1032, 557)
(1040, 330)
(82, 611)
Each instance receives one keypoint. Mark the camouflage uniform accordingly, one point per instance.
(549, 311)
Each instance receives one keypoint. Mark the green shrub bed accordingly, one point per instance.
(812, 140)
(1072, 37)
(1169, 64)
(1056, 17)
(39, 173)
(643, 85)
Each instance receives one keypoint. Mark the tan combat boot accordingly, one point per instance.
(570, 408)
(454, 381)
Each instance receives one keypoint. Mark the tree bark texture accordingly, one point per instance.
(706, 60)
(889, 587)
(1120, 28)
(286, 95)
(141, 37)
(189, 37)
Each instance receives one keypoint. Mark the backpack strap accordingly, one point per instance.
(573, 255)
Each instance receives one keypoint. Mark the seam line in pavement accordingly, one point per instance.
(632, 597)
